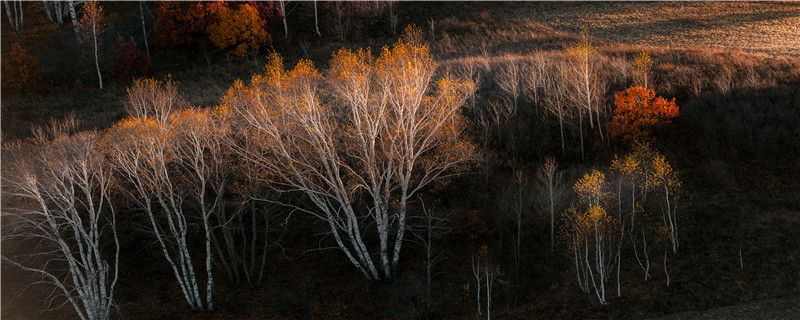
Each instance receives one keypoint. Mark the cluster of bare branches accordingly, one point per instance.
(57, 194)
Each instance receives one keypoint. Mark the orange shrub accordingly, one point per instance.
(19, 68)
(238, 30)
(637, 111)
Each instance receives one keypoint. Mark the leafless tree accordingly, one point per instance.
(485, 273)
(509, 80)
(153, 98)
(432, 226)
(384, 133)
(282, 5)
(554, 189)
(517, 204)
(316, 20)
(58, 194)
(74, 16)
(144, 29)
(585, 84)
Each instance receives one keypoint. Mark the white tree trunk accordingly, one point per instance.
(74, 17)
(316, 20)
(59, 11)
(96, 59)
(9, 15)
(144, 30)
(47, 11)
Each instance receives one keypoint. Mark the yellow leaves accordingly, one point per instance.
(662, 174)
(591, 188)
(643, 62)
(591, 222)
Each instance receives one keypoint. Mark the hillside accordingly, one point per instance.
(732, 68)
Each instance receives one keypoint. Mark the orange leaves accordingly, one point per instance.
(238, 29)
(637, 111)
(91, 22)
(19, 68)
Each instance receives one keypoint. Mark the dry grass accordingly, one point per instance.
(766, 27)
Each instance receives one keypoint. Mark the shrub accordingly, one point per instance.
(238, 30)
(129, 60)
(20, 68)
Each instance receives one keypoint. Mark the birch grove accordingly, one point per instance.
(380, 132)
(168, 172)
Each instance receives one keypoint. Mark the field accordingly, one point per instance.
(732, 67)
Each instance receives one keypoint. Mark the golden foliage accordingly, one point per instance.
(591, 188)
(238, 29)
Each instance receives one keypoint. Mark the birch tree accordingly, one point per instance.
(47, 11)
(141, 152)
(553, 189)
(382, 132)
(91, 25)
(316, 20)
(586, 86)
(432, 225)
(58, 191)
(593, 244)
(555, 101)
(517, 205)
(74, 16)
(509, 80)
(14, 14)
(282, 5)
(164, 157)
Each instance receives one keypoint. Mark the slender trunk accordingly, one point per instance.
(59, 12)
(96, 59)
(10, 19)
(561, 128)
(665, 267)
(580, 129)
(552, 217)
(74, 17)
(429, 257)
(489, 281)
(47, 11)
(285, 28)
(264, 249)
(316, 21)
(144, 30)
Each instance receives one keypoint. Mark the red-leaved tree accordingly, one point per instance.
(637, 111)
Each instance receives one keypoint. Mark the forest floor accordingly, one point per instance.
(776, 309)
